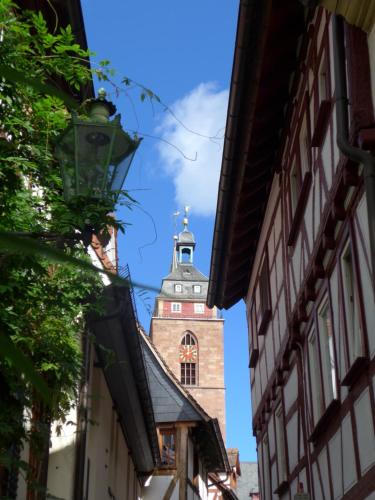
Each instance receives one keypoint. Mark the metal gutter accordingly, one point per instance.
(353, 153)
(228, 173)
(126, 376)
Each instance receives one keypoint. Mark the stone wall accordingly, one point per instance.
(167, 333)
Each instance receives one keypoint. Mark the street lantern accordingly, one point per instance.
(95, 153)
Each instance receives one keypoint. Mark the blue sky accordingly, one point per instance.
(182, 51)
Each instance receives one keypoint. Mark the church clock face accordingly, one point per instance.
(188, 353)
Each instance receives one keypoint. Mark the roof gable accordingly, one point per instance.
(169, 403)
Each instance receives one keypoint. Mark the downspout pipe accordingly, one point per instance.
(355, 154)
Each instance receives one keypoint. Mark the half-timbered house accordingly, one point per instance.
(294, 237)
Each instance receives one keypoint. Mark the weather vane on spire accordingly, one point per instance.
(186, 220)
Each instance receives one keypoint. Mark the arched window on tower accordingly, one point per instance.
(186, 255)
(189, 359)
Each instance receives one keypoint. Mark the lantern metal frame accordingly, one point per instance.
(95, 153)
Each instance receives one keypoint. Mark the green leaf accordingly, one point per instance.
(12, 243)
(24, 366)
(44, 88)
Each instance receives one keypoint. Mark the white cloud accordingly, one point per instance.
(203, 110)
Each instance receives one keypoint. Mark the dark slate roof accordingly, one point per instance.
(185, 272)
(248, 481)
(169, 404)
(185, 237)
(147, 343)
(186, 275)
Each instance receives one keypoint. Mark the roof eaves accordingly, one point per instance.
(248, 47)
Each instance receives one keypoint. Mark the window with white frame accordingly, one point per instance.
(266, 468)
(197, 289)
(198, 308)
(317, 404)
(178, 288)
(280, 443)
(322, 364)
(327, 351)
(352, 320)
(176, 307)
(167, 444)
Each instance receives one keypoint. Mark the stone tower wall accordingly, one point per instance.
(167, 333)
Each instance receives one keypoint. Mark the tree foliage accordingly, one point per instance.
(43, 305)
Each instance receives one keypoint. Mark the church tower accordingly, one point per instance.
(189, 335)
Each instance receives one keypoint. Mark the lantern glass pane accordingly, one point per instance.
(124, 148)
(93, 148)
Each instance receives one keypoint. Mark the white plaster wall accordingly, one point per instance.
(337, 323)
(327, 158)
(274, 484)
(190, 459)
(271, 435)
(282, 317)
(279, 268)
(276, 331)
(263, 374)
(22, 488)
(316, 193)
(297, 263)
(268, 221)
(320, 476)
(96, 261)
(111, 248)
(365, 431)
(157, 487)
(273, 286)
(111, 466)
(61, 464)
(292, 441)
(350, 473)
(341, 451)
(270, 355)
(301, 441)
(290, 390)
(363, 248)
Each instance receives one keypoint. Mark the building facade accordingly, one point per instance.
(187, 333)
(294, 238)
(136, 433)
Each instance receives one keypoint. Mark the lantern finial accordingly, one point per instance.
(102, 94)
